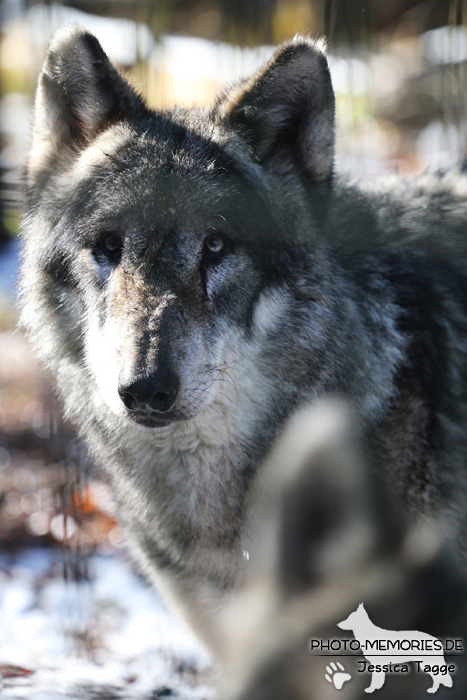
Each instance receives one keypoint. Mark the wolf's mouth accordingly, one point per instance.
(151, 419)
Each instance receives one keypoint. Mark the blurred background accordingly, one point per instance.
(75, 620)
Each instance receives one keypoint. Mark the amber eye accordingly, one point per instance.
(109, 248)
(112, 243)
(215, 244)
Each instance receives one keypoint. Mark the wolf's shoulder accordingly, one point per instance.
(426, 215)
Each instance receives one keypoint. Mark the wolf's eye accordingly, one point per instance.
(109, 247)
(112, 243)
(215, 244)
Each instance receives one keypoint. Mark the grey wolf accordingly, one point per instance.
(194, 278)
(326, 536)
(364, 629)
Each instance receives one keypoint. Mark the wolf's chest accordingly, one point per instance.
(186, 485)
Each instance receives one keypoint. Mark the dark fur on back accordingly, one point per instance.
(319, 288)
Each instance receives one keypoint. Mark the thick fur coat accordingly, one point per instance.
(194, 277)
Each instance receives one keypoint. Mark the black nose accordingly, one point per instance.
(157, 392)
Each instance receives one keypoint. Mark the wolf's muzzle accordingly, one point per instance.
(154, 393)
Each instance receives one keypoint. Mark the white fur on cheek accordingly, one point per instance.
(101, 359)
(270, 310)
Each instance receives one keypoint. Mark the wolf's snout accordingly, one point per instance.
(157, 392)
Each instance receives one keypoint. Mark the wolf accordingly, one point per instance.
(325, 537)
(194, 277)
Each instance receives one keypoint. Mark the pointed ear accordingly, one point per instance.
(326, 520)
(79, 94)
(310, 506)
(286, 112)
(334, 511)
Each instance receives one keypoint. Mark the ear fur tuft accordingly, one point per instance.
(79, 94)
(285, 112)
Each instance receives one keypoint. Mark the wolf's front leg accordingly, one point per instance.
(377, 681)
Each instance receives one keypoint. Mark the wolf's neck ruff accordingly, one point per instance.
(195, 278)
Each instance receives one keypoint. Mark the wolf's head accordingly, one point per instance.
(155, 241)
(355, 619)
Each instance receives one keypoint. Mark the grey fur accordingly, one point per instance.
(321, 289)
(327, 539)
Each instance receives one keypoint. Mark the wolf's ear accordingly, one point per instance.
(79, 94)
(311, 502)
(286, 112)
(334, 512)
(325, 523)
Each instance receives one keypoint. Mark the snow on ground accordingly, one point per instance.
(106, 637)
